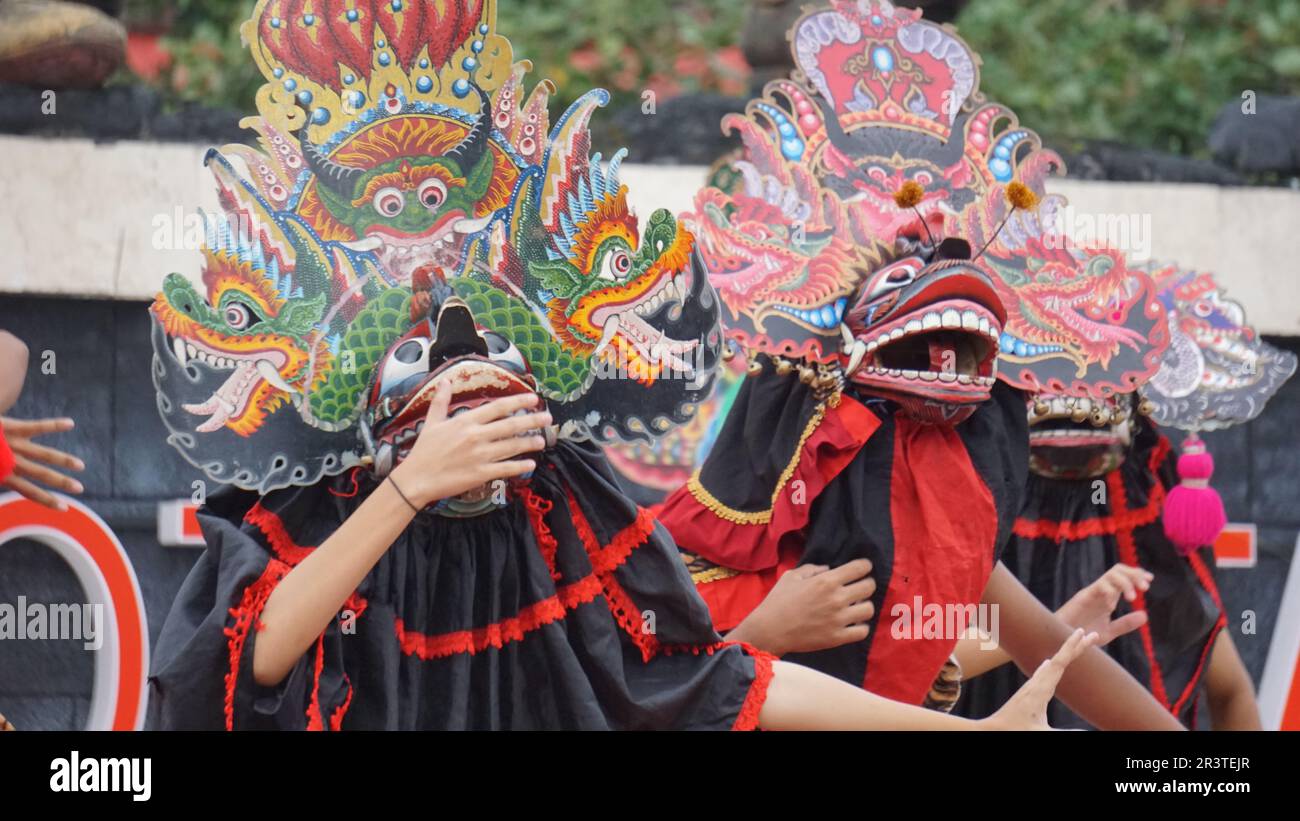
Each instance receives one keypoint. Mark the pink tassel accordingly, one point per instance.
(1193, 513)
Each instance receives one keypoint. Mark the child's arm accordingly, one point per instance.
(802, 699)
(1090, 609)
(1096, 688)
(13, 369)
(1231, 693)
(450, 457)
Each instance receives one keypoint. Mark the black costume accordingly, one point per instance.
(568, 609)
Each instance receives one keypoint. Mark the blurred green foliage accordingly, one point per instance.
(670, 46)
(1151, 73)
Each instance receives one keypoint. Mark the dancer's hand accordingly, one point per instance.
(1091, 607)
(812, 608)
(35, 463)
(1027, 709)
(456, 454)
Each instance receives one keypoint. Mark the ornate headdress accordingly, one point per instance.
(395, 138)
(1216, 373)
(866, 180)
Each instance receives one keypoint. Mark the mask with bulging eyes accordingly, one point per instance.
(924, 333)
(479, 364)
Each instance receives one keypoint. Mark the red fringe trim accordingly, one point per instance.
(289, 554)
(530, 618)
(537, 508)
(605, 560)
(286, 549)
(747, 719)
(314, 721)
(1109, 525)
(7, 460)
(246, 618)
(1128, 554)
(336, 720)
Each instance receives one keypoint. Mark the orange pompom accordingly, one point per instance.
(1020, 196)
(910, 195)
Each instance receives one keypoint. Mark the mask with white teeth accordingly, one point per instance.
(446, 346)
(1077, 437)
(924, 333)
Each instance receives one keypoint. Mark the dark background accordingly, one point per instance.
(101, 379)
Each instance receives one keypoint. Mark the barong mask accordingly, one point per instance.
(1217, 372)
(1078, 437)
(814, 256)
(445, 346)
(391, 137)
(925, 334)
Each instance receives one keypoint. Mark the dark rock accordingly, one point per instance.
(682, 131)
(1104, 160)
(199, 124)
(1265, 142)
(114, 113)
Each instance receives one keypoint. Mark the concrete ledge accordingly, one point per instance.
(87, 219)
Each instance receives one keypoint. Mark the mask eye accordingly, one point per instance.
(409, 352)
(432, 193)
(238, 316)
(410, 358)
(504, 353)
(389, 202)
(615, 265)
(895, 276)
(1202, 308)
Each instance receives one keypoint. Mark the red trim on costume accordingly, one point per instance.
(246, 615)
(537, 508)
(756, 696)
(604, 561)
(336, 720)
(530, 618)
(356, 488)
(1108, 525)
(697, 529)
(1207, 581)
(7, 459)
(314, 721)
(747, 719)
(1128, 554)
(289, 554)
(286, 549)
